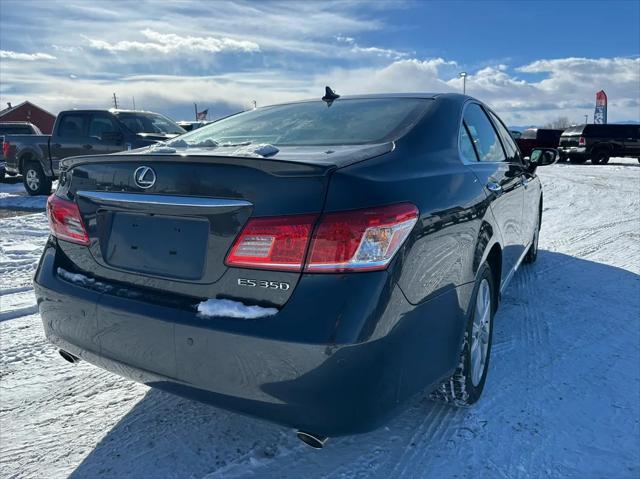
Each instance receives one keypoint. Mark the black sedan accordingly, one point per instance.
(315, 263)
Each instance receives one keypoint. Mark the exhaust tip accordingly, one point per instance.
(68, 356)
(316, 442)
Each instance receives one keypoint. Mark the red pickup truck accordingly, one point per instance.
(538, 138)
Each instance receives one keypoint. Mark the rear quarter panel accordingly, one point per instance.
(424, 169)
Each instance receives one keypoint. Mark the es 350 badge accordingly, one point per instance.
(259, 283)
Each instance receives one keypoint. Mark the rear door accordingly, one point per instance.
(105, 135)
(502, 179)
(71, 138)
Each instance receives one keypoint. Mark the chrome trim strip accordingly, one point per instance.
(162, 200)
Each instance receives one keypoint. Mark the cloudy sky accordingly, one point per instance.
(531, 61)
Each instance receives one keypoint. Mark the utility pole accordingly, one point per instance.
(586, 119)
(134, 102)
(463, 75)
(195, 107)
(255, 104)
(115, 100)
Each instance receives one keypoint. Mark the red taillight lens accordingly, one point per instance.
(581, 141)
(360, 240)
(275, 243)
(5, 148)
(65, 221)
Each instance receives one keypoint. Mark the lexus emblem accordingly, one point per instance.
(144, 177)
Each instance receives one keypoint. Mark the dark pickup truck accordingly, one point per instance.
(599, 143)
(537, 138)
(82, 132)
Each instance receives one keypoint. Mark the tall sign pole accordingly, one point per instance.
(600, 115)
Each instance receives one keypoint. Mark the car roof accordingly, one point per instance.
(368, 96)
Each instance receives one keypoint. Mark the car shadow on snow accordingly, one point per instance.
(168, 436)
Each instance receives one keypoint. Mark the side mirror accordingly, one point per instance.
(112, 137)
(543, 157)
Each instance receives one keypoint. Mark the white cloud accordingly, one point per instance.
(25, 56)
(172, 43)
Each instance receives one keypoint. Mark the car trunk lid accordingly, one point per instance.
(167, 221)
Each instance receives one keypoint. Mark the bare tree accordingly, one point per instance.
(559, 123)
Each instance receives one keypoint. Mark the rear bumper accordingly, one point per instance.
(572, 151)
(326, 387)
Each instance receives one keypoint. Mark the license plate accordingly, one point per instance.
(158, 245)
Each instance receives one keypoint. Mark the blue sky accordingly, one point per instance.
(532, 61)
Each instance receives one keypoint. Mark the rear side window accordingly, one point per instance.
(510, 147)
(344, 122)
(483, 134)
(73, 126)
(466, 146)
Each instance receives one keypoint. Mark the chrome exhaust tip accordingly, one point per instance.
(68, 356)
(316, 442)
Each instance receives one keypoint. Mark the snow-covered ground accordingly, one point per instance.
(562, 399)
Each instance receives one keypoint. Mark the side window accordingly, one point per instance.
(73, 126)
(101, 124)
(466, 146)
(483, 134)
(511, 149)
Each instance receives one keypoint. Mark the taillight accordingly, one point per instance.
(360, 240)
(582, 141)
(5, 148)
(65, 221)
(275, 243)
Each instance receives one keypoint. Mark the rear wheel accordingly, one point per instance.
(600, 157)
(34, 179)
(465, 386)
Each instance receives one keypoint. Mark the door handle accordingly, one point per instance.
(494, 187)
(87, 147)
(56, 145)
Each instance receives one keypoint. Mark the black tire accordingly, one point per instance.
(532, 252)
(600, 157)
(461, 389)
(34, 180)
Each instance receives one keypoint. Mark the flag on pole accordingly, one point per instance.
(202, 115)
(600, 115)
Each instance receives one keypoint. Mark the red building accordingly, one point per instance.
(27, 111)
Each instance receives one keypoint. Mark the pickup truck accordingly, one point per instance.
(537, 138)
(82, 132)
(599, 143)
(13, 128)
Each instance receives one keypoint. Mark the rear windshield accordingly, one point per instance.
(149, 123)
(573, 130)
(529, 134)
(344, 122)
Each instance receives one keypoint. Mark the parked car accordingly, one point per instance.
(81, 132)
(538, 138)
(515, 134)
(13, 128)
(599, 143)
(348, 259)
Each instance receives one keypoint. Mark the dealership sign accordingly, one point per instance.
(600, 116)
